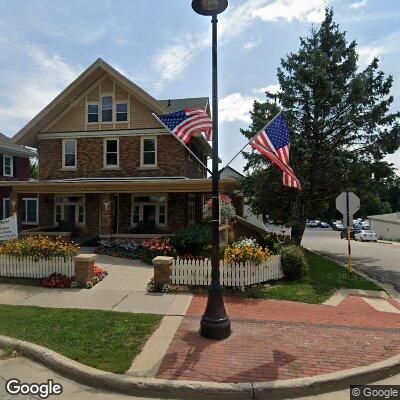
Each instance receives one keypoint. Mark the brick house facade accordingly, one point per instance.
(107, 167)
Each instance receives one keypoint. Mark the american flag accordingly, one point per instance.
(273, 142)
(185, 123)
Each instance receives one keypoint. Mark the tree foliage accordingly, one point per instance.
(340, 123)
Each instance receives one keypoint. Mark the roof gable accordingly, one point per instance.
(73, 93)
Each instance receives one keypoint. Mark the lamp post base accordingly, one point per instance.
(215, 323)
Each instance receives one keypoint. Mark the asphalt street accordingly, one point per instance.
(380, 260)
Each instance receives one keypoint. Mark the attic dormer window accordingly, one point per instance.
(107, 109)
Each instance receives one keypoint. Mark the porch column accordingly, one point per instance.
(13, 203)
(105, 223)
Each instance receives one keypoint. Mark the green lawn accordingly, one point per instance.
(324, 279)
(101, 339)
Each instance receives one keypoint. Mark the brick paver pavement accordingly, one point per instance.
(281, 340)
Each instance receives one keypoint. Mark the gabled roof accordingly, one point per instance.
(180, 104)
(7, 147)
(71, 94)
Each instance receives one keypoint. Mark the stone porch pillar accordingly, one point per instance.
(105, 223)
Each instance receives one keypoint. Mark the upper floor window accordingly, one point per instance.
(111, 152)
(148, 157)
(92, 113)
(107, 109)
(8, 165)
(122, 112)
(69, 153)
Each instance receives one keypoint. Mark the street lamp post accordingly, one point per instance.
(215, 323)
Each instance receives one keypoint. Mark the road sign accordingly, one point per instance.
(348, 203)
(341, 203)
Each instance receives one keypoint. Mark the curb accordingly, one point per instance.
(135, 386)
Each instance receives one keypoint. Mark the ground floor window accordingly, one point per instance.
(149, 209)
(6, 208)
(30, 211)
(70, 209)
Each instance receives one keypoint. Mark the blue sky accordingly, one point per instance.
(164, 47)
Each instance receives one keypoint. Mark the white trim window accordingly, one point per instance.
(69, 153)
(8, 165)
(111, 153)
(30, 211)
(6, 207)
(191, 208)
(121, 111)
(92, 111)
(150, 208)
(148, 151)
(107, 108)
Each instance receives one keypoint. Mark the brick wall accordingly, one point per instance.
(172, 159)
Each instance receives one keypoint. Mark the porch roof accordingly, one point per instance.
(118, 185)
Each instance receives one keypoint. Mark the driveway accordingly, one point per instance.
(380, 260)
(123, 290)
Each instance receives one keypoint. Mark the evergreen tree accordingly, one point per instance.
(340, 123)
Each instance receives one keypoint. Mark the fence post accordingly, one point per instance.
(162, 269)
(84, 268)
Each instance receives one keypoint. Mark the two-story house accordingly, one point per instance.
(107, 166)
(14, 166)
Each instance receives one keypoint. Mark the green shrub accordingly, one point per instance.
(193, 240)
(294, 263)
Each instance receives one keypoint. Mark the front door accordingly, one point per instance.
(70, 213)
(149, 215)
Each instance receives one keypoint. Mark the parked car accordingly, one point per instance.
(313, 224)
(323, 224)
(365, 235)
(337, 225)
(343, 233)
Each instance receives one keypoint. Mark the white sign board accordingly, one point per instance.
(347, 203)
(8, 228)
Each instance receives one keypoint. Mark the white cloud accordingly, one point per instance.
(358, 4)
(273, 89)
(235, 107)
(382, 48)
(252, 44)
(290, 10)
(32, 79)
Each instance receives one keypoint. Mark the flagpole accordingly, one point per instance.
(180, 141)
(266, 126)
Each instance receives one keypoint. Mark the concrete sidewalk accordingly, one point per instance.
(123, 290)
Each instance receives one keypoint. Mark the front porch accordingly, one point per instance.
(134, 209)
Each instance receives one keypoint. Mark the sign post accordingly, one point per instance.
(348, 203)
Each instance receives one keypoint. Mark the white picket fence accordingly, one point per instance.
(27, 267)
(198, 272)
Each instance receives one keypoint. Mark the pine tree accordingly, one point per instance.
(340, 126)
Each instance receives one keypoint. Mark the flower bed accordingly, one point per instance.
(120, 248)
(60, 281)
(156, 247)
(38, 247)
(246, 250)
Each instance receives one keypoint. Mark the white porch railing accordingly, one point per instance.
(27, 267)
(198, 272)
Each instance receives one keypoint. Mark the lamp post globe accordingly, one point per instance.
(215, 323)
(209, 7)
